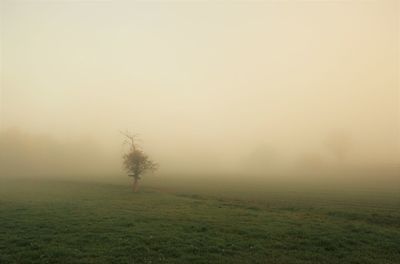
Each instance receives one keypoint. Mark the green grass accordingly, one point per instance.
(71, 222)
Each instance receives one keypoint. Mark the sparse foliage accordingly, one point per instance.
(135, 161)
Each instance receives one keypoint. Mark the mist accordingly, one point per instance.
(264, 90)
(200, 131)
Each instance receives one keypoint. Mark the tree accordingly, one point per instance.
(135, 161)
(339, 145)
(263, 159)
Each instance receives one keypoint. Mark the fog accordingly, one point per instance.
(268, 89)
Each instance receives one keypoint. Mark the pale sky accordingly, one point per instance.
(203, 79)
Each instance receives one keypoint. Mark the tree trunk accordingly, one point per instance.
(135, 186)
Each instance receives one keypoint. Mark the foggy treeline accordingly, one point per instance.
(33, 155)
(29, 155)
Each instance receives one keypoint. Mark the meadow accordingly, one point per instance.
(49, 221)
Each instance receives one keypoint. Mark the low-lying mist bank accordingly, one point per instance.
(27, 155)
(250, 185)
(24, 155)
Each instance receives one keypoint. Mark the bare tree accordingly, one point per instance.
(135, 161)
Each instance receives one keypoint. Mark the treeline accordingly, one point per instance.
(26, 155)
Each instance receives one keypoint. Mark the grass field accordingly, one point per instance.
(75, 222)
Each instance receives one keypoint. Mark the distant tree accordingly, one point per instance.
(263, 159)
(310, 162)
(339, 145)
(135, 161)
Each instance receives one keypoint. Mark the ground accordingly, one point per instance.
(75, 222)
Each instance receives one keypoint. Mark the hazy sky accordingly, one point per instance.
(206, 80)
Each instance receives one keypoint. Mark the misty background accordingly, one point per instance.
(269, 89)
